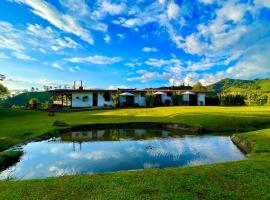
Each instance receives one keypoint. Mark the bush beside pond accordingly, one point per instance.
(8, 158)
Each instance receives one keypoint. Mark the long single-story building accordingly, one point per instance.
(88, 98)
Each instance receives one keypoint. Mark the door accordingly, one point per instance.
(193, 101)
(95, 99)
(130, 101)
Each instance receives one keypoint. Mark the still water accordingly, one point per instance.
(111, 150)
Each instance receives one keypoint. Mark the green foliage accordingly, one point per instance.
(3, 91)
(17, 107)
(177, 99)
(116, 99)
(231, 99)
(34, 103)
(8, 158)
(198, 86)
(149, 99)
(24, 98)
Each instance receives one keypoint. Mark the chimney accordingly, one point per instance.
(74, 85)
(81, 87)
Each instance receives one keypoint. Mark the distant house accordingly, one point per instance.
(88, 98)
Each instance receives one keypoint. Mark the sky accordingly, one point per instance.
(132, 43)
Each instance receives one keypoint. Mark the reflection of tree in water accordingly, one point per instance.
(117, 134)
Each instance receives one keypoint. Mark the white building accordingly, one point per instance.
(81, 98)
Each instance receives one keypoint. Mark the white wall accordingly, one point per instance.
(139, 99)
(101, 100)
(79, 103)
(201, 99)
(164, 97)
(185, 97)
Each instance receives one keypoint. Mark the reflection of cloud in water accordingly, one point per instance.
(95, 155)
(151, 165)
(58, 171)
(196, 162)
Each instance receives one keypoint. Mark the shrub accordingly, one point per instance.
(177, 99)
(115, 100)
(149, 99)
(231, 99)
(17, 107)
(212, 100)
(34, 102)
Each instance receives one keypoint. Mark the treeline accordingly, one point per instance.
(249, 98)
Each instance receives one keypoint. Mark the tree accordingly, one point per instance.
(150, 99)
(198, 86)
(115, 100)
(177, 99)
(34, 102)
(2, 77)
(3, 91)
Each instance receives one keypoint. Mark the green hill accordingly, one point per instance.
(237, 85)
(23, 99)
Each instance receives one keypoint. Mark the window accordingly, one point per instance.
(169, 94)
(107, 96)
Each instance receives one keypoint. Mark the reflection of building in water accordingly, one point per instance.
(115, 134)
(79, 146)
(89, 135)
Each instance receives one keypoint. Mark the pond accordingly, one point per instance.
(110, 150)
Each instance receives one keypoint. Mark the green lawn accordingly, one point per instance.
(247, 179)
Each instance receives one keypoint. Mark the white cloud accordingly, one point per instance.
(191, 78)
(263, 3)
(22, 56)
(163, 63)
(62, 21)
(232, 11)
(96, 59)
(111, 8)
(149, 76)
(57, 66)
(114, 87)
(107, 38)
(207, 1)
(120, 35)
(173, 10)
(149, 49)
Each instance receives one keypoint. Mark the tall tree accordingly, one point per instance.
(3, 91)
(2, 77)
(198, 86)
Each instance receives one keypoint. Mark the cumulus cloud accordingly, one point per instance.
(149, 76)
(62, 21)
(173, 10)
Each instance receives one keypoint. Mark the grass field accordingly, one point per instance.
(247, 179)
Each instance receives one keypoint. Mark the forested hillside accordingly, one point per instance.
(254, 92)
(23, 99)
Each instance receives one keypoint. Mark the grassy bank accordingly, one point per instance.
(247, 179)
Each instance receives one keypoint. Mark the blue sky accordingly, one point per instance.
(132, 43)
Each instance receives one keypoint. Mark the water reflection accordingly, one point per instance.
(110, 150)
